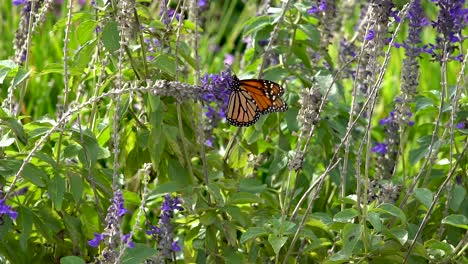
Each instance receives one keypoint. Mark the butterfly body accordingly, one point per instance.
(251, 98)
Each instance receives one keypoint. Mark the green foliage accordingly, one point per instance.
(82, 120)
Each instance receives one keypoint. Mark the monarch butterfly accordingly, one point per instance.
(251, 98)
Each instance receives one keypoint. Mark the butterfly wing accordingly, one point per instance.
(242, 110)
(250, 98)
(267, 95)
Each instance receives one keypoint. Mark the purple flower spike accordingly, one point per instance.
(7, 210)
(370, 35)
(202, 3)
(175, 247)
(128, 241)
(19, 2)
(380, 148)
(96, 240)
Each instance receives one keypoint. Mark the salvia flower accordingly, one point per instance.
(380, 148)
(96, 240)
(370, 35)
(7, 210)
(19, 2)
(388, 150)
(315, 9)
(452, 19)
(163, 234)
(413, 49)
(229, 59)
(215, 96)
(202, 3)
(461, 125)
(112, 235)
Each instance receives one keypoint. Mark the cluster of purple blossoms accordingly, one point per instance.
(462, 125)
(202, 3)
(167, 14)
(163, 234)
(388, 150)
(7, 210)
(315, 9)
(115, 212)
(152, 43)
(451, 21)
(215, 95)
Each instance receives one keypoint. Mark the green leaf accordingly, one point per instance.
(252, 233)
(85, 30)
(178, 173)
(25, 224)
(398, 233)
(423, 102)
(165, 63)
(439, 245)
(83, 55)
(215, 190)
(168, 188)
(56, 190)
(244, 198)
(350, 236)
(74, 228)
(392, 210)
(251, 185)
(208, 218)
(91, 151)
(31, 173)
(256, 23)
(110, 36)
(138, 254)
(458, 195)
(424, 196)
(76, 186)
(20, 76)
(312, 34)
(346, 215)
(16, 127)
(277, 242)
(456, 220)
(374, 219)
(72, 260)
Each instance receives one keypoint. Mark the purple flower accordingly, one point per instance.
(82, 2)
(153, 230)
(386, 121)
(215, 94)
(19, 2)
(175, 247)
(128, 241)
(417, 21)
(312, 11)
(316, 9)
(118, 204)
(461, 125)
(209, 142)
(229, 59)
(96, 240)
(370, 35)
(451, 21)
(380, 148)
(263, 42)
(163, 234)
(202, 3)
(247, 40)
(7, 210)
